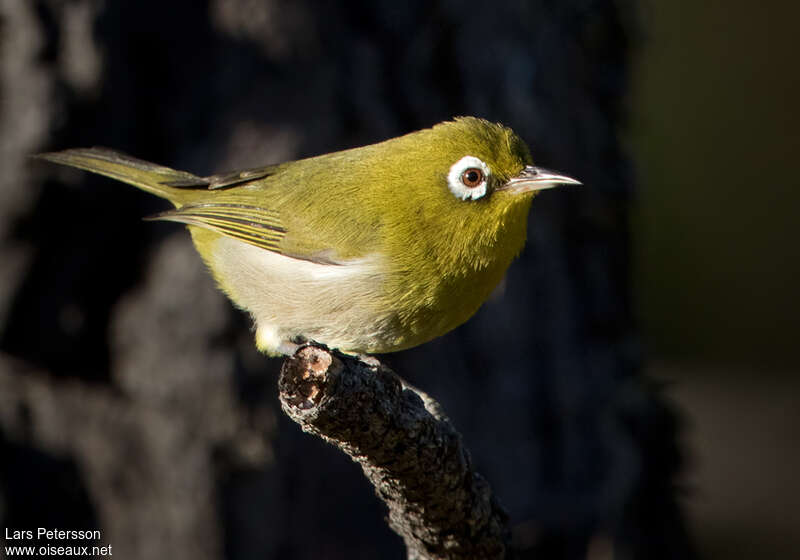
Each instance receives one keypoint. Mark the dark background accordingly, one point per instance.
(715, 225)
(132, 400)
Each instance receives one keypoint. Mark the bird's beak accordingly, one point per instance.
(536, 179)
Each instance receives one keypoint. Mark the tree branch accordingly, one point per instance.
(408, 449)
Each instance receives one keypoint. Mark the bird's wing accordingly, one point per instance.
(239, 204)
(245, 205)
(229, 211)
(254, 225)
(223, 180)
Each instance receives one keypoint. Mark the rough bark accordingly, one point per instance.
(408, 450)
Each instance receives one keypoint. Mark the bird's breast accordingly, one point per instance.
(341, 305)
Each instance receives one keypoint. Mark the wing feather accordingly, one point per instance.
(254, 225)
(222, 180)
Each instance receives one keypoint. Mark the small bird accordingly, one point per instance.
(368, 250)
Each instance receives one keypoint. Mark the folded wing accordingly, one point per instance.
(254, 225)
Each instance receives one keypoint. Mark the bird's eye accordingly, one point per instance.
(469, 178)
(472, 177)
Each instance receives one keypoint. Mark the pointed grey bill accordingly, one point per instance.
(536, 179)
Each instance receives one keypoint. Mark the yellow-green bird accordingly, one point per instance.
(368, 250)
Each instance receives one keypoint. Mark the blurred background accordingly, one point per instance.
(715, 230)
(630, 392)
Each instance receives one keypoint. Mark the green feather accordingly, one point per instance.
(250, 224)
(388, 202)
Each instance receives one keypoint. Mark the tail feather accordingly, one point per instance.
(149, 177)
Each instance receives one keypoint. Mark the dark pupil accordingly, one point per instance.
(473, 176)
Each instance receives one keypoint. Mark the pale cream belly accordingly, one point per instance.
(339, 305)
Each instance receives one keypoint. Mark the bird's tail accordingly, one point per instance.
(160, 181)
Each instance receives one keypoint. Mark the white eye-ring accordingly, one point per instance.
(468, 178)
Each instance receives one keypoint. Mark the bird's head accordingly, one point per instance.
(485, 160)
(465, 184)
